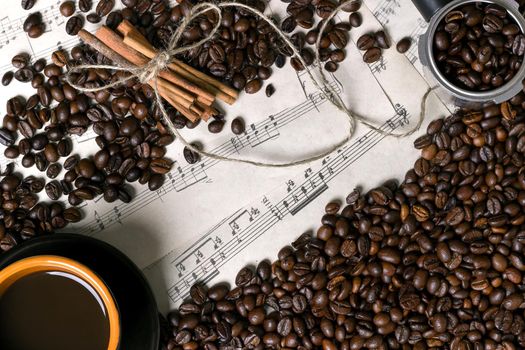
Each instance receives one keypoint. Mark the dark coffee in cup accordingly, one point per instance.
(52, 310)
(54, 303)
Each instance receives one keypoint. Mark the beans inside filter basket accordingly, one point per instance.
(435, 262)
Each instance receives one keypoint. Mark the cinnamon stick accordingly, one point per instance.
(113, 40)
(105, 50)
(136, 40)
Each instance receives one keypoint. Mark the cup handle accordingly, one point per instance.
(427, 8)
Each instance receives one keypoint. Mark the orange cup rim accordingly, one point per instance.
(42, 263)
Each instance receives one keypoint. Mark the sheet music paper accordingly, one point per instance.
(211, 218)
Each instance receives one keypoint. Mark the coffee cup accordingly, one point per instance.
(49, 301)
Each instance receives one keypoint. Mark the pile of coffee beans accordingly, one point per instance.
(433, 263)
(22, 215)
(479, 46)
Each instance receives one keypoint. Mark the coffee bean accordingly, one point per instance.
(372, 55)
(382, 40)
(67, 8)
(215, 126)
(404, 44)
(270, 90)
(53, 170)
(253, 86)
(93, 18)
(237, 126)
(24, 75)
(7, 78)
(28, 4)
(190, 156)
(73, 25)
(104, 7)
(53, 190)
(365, 42)
(20, 60)
(85, 5)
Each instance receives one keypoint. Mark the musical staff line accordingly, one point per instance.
(236, 232)
(182, 178)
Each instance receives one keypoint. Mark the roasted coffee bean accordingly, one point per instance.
(190, 156)
(53, 170)
(93, 18)
(7, 78)
(237, 126)
(73, 25)
(24, 75)
(53, 190)
(104, 7)
(67, 8)
(28, 4)
(85, 5)
(382, 40)
(366, 42)
(372, 55)
(215, 126)
(20, 61)
(404, 44)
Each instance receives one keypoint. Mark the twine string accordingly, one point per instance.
(151, 70)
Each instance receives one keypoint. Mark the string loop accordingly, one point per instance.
(151, 70)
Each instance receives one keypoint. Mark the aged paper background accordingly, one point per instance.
(212, 218)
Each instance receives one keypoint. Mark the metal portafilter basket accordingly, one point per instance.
(434, 11)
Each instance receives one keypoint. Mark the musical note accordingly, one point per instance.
(99, 221)
(118, 214)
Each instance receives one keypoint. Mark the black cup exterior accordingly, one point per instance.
(140, 329)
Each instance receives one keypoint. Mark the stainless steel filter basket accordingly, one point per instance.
(434, 11)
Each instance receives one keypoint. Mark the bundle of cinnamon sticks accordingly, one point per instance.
(190, 91)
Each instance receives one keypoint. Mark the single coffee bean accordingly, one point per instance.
(104, 7)
(382, 40)
(28, 4)
(190, 156)
(93, 18)
(253, 86)
(7, 78)
(53, 190)
(215, 126)
(270, 90)
(20, 60)
(73, 25)
(85, 5)
(355, 19)
(372, 55)
(404, 44)
(67, 8)
(53, 170)
(36, 31)
(366, 42)
(237, 126)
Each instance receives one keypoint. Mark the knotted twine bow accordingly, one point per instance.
(151, 70)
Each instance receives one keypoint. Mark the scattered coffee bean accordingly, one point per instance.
(270, 89)
(73, 25)
(215, 126)
(404, 44)
(67, 8)
(28, 4)
(191, 156)
(7, 78)
(238, 126)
